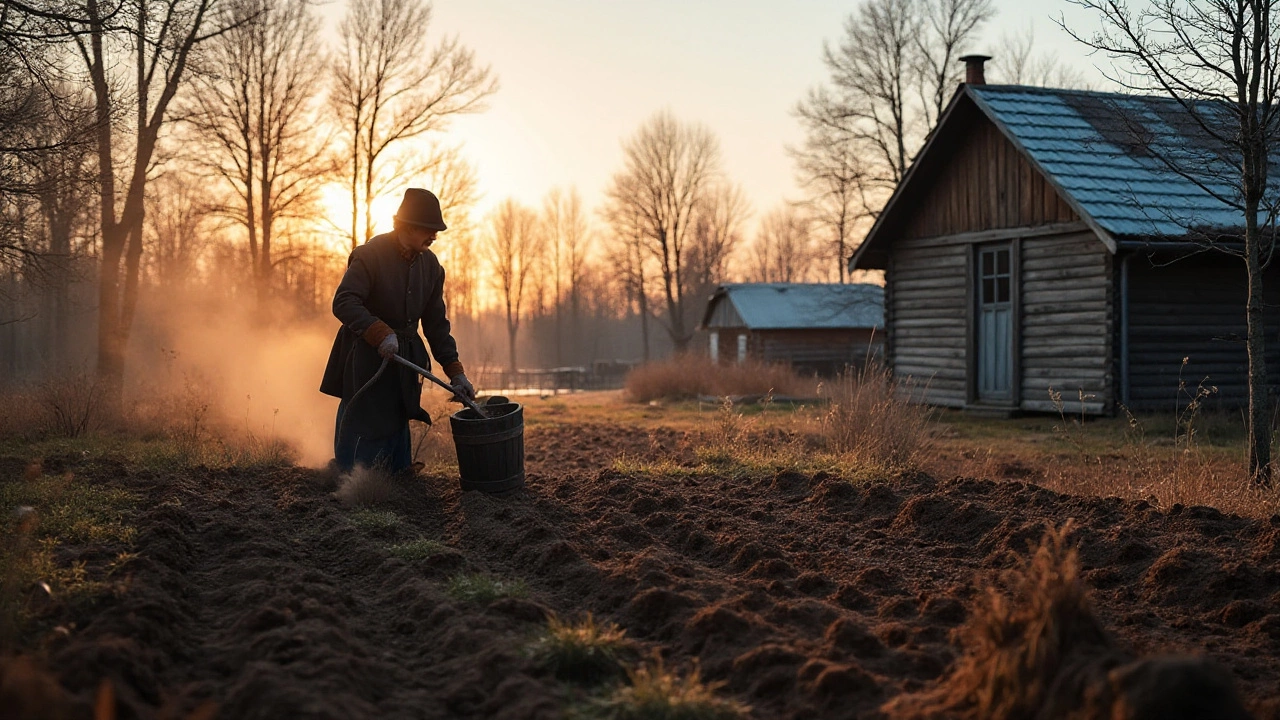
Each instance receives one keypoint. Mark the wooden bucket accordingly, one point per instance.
(490, 449)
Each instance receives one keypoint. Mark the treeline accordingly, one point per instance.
(219, 154)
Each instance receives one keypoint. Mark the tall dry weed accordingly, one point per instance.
(876, 419)
(1034, 648)
(689, 376)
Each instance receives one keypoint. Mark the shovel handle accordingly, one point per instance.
(465, 400)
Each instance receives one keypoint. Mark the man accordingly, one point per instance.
(393, 282)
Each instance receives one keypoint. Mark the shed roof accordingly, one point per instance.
(798, 306)
(1105, 150)
(1105, 153)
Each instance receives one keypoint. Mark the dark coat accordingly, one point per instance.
(381, 285)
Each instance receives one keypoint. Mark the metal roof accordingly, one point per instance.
(1102, 151)
(1105, 150)
(798, 306)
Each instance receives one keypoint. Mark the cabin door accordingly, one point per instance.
(995, 323)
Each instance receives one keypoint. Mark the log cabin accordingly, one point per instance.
(818, 328)
(1040, 244)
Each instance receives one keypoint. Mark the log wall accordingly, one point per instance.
(926, 297)
(1068, 327)
(1192, 308)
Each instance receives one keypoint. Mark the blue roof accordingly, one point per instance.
(1105, 150)
(795, 306)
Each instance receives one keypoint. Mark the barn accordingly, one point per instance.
(820, 328)
(1038, 244)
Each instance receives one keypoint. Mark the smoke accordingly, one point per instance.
(252, 378)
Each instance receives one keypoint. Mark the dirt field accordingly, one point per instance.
(806, 594)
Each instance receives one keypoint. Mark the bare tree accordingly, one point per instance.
(628, 257)
(1021, 64)
(890, 79)
(453, 179)
(252, 111)
(1219, 61)
(514, 246)
(835, 179)
(717, 234)
(155, 39)
(178, 211)
(567, 232)
(783, 250)
(389, 88)
(670, 168)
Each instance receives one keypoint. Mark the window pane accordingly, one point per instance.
(988, 263)
(988, 290)
(1003, 289)
(1004, 262)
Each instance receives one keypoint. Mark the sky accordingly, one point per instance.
(580, 76)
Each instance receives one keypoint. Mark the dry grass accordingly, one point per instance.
(657, 693)
(873, 421)
(1034, 648)
(689, 376)
(1165, 459)
(586, 652)
(365, 486)
(165, 429)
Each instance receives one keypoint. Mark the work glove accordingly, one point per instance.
(389, 346)
(463, 386)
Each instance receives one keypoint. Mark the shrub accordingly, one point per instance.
(688, 376)
(873, 420)
(483, 589)
(586, 652)
(655, 693)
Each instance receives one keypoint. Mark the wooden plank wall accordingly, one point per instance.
(1067, 323)
(985, 184)
(925, 301)
(825, 352)
(1194, 309)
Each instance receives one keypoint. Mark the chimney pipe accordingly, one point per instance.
(973, 71)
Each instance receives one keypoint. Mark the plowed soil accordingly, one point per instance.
(808, 595)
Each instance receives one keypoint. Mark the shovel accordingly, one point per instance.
(464, 400)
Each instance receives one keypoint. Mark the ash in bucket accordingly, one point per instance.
(490, 448)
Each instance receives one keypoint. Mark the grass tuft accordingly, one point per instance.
(484, 589)
(656, 693)
(873, 421)
(365, 486)
(586, 652)
(417, 550)
(375, 521)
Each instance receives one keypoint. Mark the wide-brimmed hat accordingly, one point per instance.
(422, 208)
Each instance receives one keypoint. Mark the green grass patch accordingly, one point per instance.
(586, 652)
(417, 550)
(159, 455)
(483, 589)
(40, 514)
(72, 510)
(375, 521)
